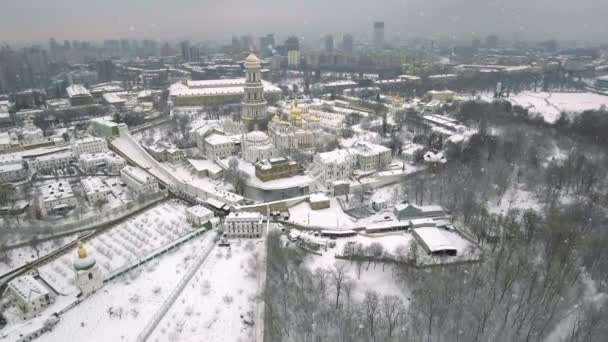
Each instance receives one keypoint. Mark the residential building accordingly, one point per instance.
(94, 189)
(218, 146)
(337, 164)
(89, 145)
(12, 172)
(139, 180)
(79, 95)
(165, 152)
(256, 146)
(275, 168)
(92, 162)
(243, 225)
(293, 58)
(198, 215)
(28, 295)
(57, 197)
(50, 161)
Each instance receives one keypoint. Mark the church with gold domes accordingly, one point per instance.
(298, 131)
(88, 275)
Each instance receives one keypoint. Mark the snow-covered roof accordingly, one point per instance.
(218, 139)
(27, 288)
(318, 197)
(433, 239)
(77, 90)
(55, 190)
(199, 211)
(336, 156)
(92, 185)
(244, 215)
(136, 174)
(217, 87)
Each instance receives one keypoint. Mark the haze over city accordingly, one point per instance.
(30, 20)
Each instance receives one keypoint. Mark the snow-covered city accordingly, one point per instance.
(302, 189)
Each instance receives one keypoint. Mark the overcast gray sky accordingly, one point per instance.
(217, 19)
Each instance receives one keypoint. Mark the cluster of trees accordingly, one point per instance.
(319, 305)
(235, 176)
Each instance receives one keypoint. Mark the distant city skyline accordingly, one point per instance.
(29, 20)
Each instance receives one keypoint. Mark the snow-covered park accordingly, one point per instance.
(551, 104)
(127, 303)
(210, 307)
(124, 243)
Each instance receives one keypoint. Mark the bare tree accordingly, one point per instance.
(338, 277)
(371, 305)
(392, 308)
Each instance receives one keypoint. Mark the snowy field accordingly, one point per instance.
(124, 243)
(121, 309)
(211, 305)
(550, 104)
(374, 276)
(515, 198)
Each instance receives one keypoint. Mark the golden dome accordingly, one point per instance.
(82, 252)
(295, 110)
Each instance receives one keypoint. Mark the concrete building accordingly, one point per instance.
(198, 215)
(93, 162)
(218, 146)
(138, 180)
(104, 126)
(275, 168)
(217, 92)
(243, 225)
(28, 295)
(89, 145)
(378, 35)
(293, 58)
(256, 146)
(94, 189)
(12, 172)
(57, 197)
(79, 95)
(337, 164)
(165, 152)
(372, 156)
(49, 161)
(253, 106)
(318, 201)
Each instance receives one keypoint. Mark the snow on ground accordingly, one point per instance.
(332, 217)
(124, 243)
(551, 104)
(373, 276)
(211, 305)
(121, 309)
(17, 257)
(515, 198)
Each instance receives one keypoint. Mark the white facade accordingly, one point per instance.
(88, 275)
(138, 180)
(28, 294)
(198, 215)
(218, 146)
(50, 161)
(32, 135)
(337, 164)
(256, 146)
(56, 197)
(94, 189)
(89, 145)
(243, 225)
(254, 104)
(372, 156)
(92, 162)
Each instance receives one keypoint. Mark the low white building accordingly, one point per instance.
(49, 161)
(256, 146)
(138, 180)
(243, 225)
(57, 197)
(88, 277)
(28, 295)
(94, 189)
(92, 162)
(218, 146)
(372, 156)
(198, 215)
(165, 152)
(89, 145)
(32, 135)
